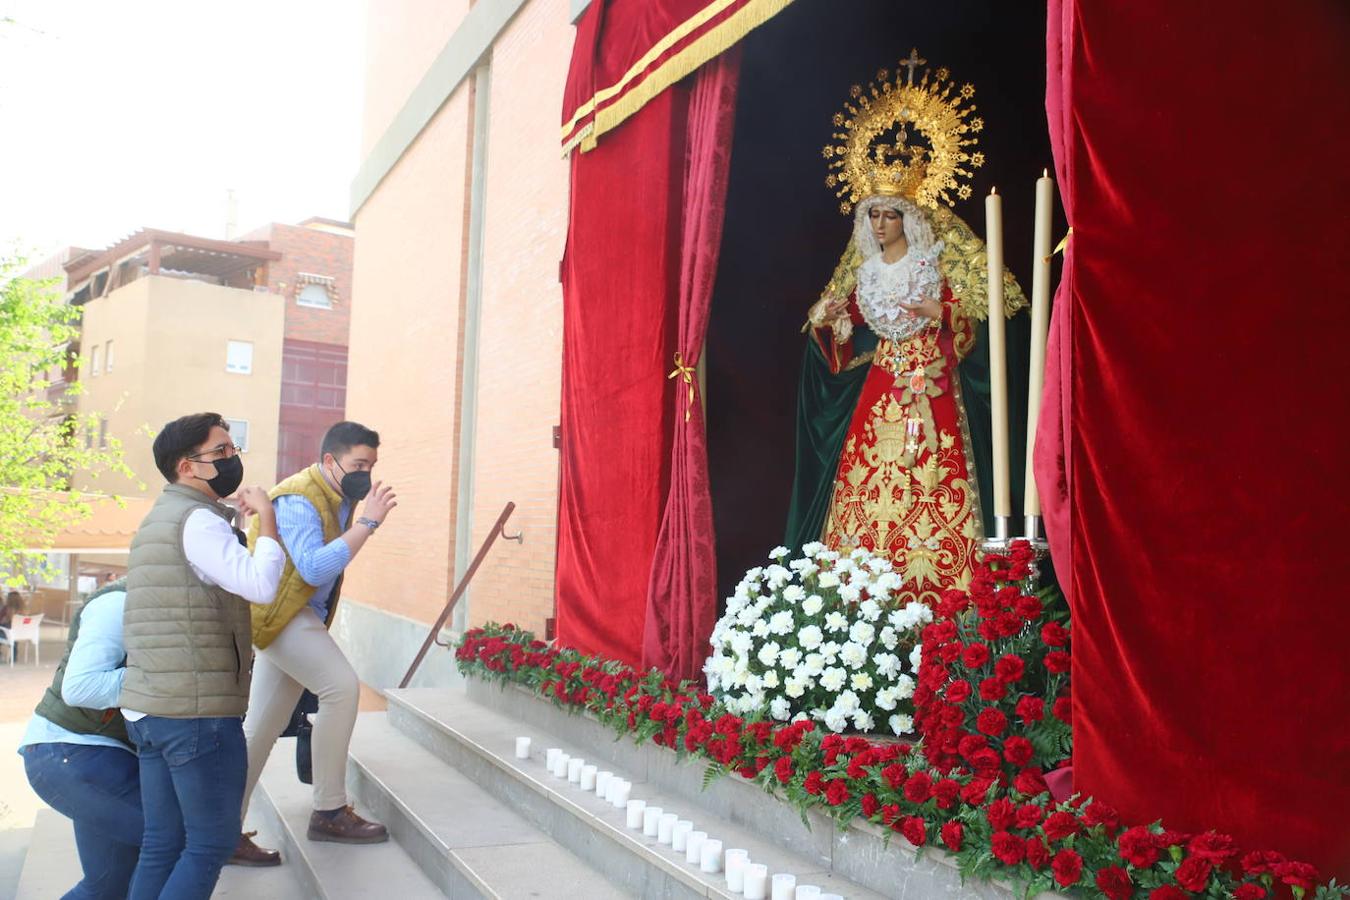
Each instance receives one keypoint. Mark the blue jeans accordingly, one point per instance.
(192, 788)
(98, 789)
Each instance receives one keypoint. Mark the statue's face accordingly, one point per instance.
(887, 225)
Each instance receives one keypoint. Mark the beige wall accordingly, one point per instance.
(169, 338)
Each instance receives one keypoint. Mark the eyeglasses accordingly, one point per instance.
(225, 451)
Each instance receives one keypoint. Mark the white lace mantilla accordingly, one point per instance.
(884, 288)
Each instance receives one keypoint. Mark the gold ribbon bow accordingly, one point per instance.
(687, 373)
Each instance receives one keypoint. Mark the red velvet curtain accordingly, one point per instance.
(620, 301)
(682, 598)
(1205, 316)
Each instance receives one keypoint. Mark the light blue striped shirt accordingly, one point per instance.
(319, 564)
(94, 673)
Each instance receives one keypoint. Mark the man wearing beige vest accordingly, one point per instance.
(190, 582)
(295, 652)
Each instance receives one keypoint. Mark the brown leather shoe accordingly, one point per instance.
(250, 854)
(345, 827)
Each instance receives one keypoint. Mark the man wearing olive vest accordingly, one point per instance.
(190, 582)
(295, 652)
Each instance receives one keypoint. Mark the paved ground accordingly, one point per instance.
(20, 689)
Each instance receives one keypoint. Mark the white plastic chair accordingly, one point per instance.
(23, 628)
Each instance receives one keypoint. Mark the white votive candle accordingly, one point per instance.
(693, 846)
(756, 881)
(734, 861)
(831, 897)
(588, 778)
(710, 856)
(665, 829)
(680, 835)
(622, 793)
(807, 892)
(784, 886)
(635, 811)
(574, 767)
(560, 765)
(551, 757)
(522, 748)
(651, 819)
(602, 780)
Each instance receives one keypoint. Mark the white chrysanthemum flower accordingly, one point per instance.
(808, 569)
(851, 592)
(739, 641)
(760, 629)
(794, 687)
(790, 658)
(862, 632)
(778, 552)
(801, 717)
(879, 564)
(889, 639)
(770, 679)
(915, 657)
(835, 720)
(848, 702)
(836, 621)
(794, 593)
(833, 679)
(813, 604)
(900, 724)
(905, 685)
(810, 637)
(782, 622)
(888, 698)
(888, 664)
(814, 664)
(870, 610)
(861, 681)
(863, 721)
(780, 709)
(853, 655)
(753, 683)
(830, 650)
(811, 548)
(859, 553)
(829, 579)
(747, 616)
(768, 653)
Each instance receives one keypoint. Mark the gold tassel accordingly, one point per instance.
(687, 373)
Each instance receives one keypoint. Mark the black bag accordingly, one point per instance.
(301, 729)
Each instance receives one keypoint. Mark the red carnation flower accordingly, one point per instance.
(782, 769)
(815, 783)
(1031, 709)
(992, 689)
(836, 792)
(1138, 848)
(870, 805)
(1259, 862)
(1098, 813)
(1031, 782)
(952, 833)
(1059, 825)
(976, 791)
(1057, 661)
(971, 744)
(991, 721)
(975, 655)
(895, 775)
(1009, 624)
(949, 653)
(919, 787)
(1246, 892)
(1193, 874)
(1214, 847)
(1114, 882)
(1297, 874)
(985, 763)
(915, 830)
(1029, 607)
(952, 716)
(1018, 751)
(1029, 815)
(946, 791)
(1063, 710)
(1167, 838)
(1068, 867)
(958, 692)
(1054, 634)
(1009, 848)
(1167, 892)
(1002, 814)
(989, 630)
(1038, 856)
(1010, 668)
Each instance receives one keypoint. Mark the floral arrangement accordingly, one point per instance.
(819, 637)
(994, 823)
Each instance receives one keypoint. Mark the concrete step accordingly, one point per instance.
(328, 871)
(464, 839)
(479, 742)
(52, 868)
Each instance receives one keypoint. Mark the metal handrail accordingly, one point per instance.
(498, 530)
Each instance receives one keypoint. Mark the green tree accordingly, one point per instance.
(43, 442)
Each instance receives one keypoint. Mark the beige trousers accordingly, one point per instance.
(303, 656)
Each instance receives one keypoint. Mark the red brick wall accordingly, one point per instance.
(318, 253)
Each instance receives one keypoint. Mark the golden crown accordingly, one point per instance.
(904, 137)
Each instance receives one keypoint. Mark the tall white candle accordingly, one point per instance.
(621, 794)
(1040, 328)
(522, 748)
(998, 353)
(784, 886)
(665, 829)
(588, 778)
(680, 836)
(735, 861)
(635, 810)
(574, 767)
(710, 856)
(693, 846)
(551, 757)
(651, 820)
(756, 882)
(602, 780)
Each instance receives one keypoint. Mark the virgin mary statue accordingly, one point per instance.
(885, 460)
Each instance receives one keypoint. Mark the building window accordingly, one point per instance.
(108, 357)
(315, 295)
(103, 434)
(94, 358)
(239, 433)
(238, 357)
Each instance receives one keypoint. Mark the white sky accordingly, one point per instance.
(121, 114)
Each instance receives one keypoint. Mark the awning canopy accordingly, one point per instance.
(109, 529)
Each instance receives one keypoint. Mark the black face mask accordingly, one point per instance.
(229, 475)
(354, 485)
